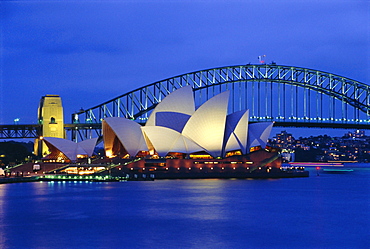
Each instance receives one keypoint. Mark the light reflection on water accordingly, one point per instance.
(204, 201)
(326, 211)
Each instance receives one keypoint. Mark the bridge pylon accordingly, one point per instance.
(51, 119)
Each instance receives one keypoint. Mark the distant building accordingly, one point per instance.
(286, 142)
(356, 134)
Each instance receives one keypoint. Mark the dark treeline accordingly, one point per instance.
(12, 152)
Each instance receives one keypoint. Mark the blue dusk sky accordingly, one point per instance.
(89, 52)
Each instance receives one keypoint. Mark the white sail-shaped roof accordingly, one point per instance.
(236, 131)
(67, 147)
(71, 149)
(161, 138)
(80, 151)
(232, 121)
(233, 143)
(258, 134)
(127, 131)
(206, 126)
(181, 100)
(166, 140)
(185, 145)
(88, 146)
(172, 120)
(241, 130)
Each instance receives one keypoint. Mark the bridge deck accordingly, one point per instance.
(34, 131)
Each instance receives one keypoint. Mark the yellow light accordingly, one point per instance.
(109, 153)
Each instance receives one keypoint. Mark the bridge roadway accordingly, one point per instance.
(34, 130)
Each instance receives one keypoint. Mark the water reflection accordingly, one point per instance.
(195, 199)
(314, 211)
(3, 208)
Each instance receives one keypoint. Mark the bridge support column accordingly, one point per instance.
(50, 116)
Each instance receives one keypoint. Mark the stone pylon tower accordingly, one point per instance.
(50, 116)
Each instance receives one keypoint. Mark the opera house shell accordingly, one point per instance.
(63, 150)
(176, 126)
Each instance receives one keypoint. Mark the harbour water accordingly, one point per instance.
(320, 211)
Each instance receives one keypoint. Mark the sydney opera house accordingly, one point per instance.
(178, 141)
(176, 128)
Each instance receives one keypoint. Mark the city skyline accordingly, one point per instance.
(91, 51)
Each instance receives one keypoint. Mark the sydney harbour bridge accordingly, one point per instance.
(290, 96)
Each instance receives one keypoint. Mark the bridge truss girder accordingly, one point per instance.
(19, 131)
(274, 92)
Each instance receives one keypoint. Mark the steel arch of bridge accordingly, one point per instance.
(271, 92)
